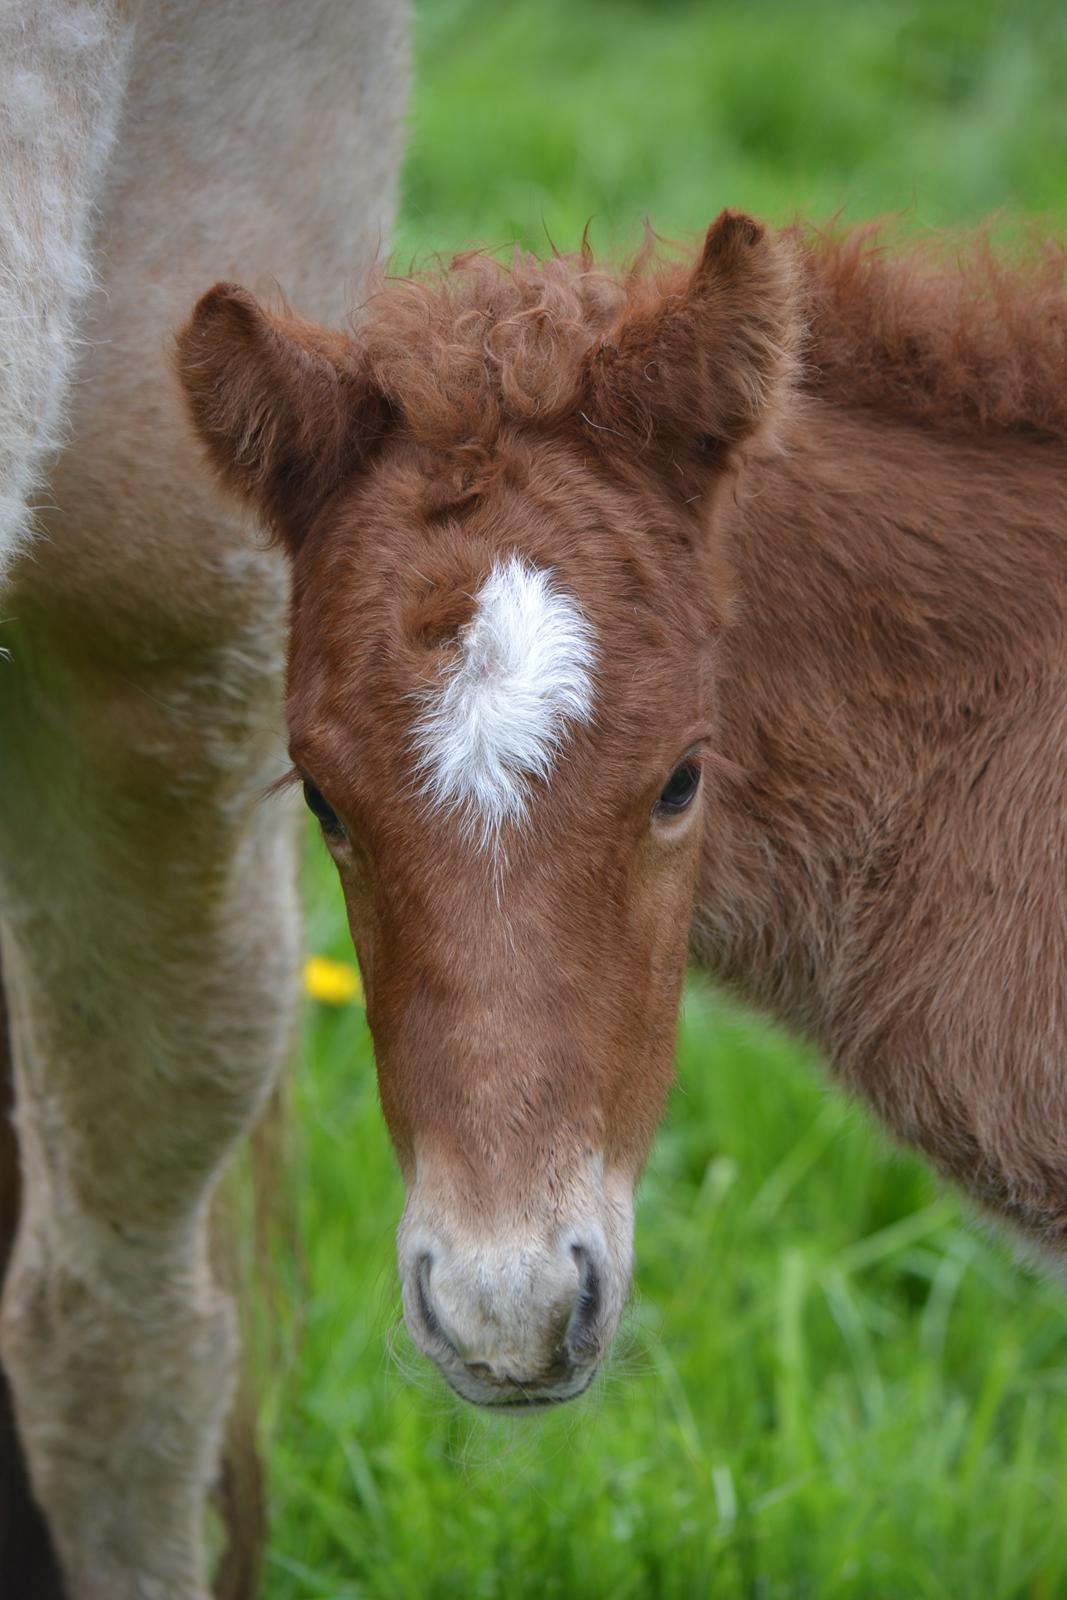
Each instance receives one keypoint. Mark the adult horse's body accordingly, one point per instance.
(147, 900)
(721, 610)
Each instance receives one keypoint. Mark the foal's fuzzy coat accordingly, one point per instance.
(810, 497)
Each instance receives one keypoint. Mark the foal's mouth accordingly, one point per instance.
(534, 1402)
(526, 1399)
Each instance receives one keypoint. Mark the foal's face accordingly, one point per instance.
(503, 725)
(499, 502)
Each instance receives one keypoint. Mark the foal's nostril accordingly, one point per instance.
(430, 1321)
(582, 1328)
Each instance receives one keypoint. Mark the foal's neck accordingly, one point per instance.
(901, 613)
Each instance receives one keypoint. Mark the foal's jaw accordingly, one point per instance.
(518, 1317)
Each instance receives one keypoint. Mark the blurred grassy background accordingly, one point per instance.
(532, 117)
(829, 1385)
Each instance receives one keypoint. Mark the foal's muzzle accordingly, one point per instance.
(515, 1324)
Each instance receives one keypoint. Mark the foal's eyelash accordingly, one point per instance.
(288, 780)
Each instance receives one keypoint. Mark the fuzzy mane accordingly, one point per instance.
(947, 331)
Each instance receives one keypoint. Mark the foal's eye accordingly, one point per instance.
(320, 807)
(679, 789)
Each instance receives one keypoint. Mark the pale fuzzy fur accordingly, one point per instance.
(522, 676)
(148, 910)
(62, 73)
(503, 1293)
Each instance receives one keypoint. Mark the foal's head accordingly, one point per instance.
(499, 500)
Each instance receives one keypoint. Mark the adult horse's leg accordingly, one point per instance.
(148, 911)
(150, 945)
(63, 68)
(27, 1560)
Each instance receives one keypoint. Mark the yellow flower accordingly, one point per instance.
(332, 983)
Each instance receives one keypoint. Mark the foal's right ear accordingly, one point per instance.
(282, 405)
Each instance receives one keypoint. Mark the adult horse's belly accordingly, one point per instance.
(260, 142)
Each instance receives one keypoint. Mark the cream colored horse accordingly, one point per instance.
(147, 901)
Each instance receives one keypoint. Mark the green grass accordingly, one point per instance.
(830, 1383)
(532, 117)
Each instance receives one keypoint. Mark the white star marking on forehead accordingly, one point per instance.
(522, 674)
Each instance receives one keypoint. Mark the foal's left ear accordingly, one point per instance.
(282, 405)
(690, 374)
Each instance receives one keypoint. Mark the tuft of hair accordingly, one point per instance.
(521, 676)
(459, 349)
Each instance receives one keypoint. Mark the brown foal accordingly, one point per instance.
(713, 610)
